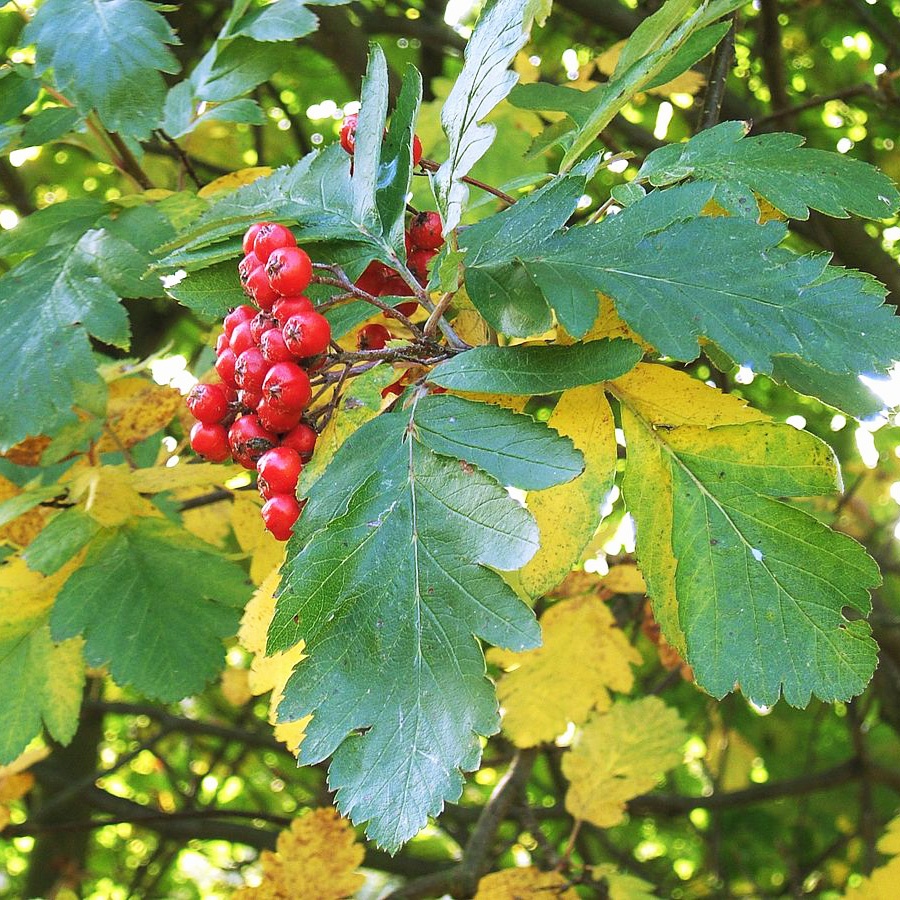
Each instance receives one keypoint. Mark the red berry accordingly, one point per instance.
(425, 231)
(250, 369)
(225, 367)
(210, 441)
(406, 309)
(302, 438)
(247, 265)
(250, 401)
(289, 270)
(280, 513)
(395, 387)
(248, 440)
(348, 133)
(241, 338)
(274, 348)
(307, 334)
(280, 468)
(260, 324)
(417, 150)
(285, 307)
(395, 286)
(250, 236)
(264, 490)
(258, 287)
(236, 316)
(208, 403)
(373, 278)
(272, 237)
(278, 421)
(221, 343)
(286, 387)
(418, 263)
(372, 337)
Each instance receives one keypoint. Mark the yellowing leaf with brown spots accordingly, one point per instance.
(16, 781)
(882, 883)
(584, 656)
(568, 514)
(107, 494)
(619, 755)
(175, 478)
(524, 884)
(22, 530)
(227, 184)
(265, 552)
(316, 859)
(750, 590)
(137, 408)
(270, 673)
(27, 452)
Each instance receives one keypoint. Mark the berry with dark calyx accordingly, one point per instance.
(250, 400)
(285, 307)
(235, 317)
(272, 237)
(348, 133)
(225, 367)
(280, 513)
(307, 334)
(247, 265)
(250, 369)
(250, 237)
(241, 339)
(260, 324)
(425, 231)
(286, 387)
(221, 343)
(210, 441)
(302, 438)
(248, 440)
(289, 270)
(280, 467)
(418, 263)
(208, 403)
(416, 150)
(274, 348)
(257, 286)
(372, 337)
(278, 421)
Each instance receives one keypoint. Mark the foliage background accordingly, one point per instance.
(176, 800)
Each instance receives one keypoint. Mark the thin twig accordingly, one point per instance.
(431, 166)
(718, 76)
(182, 156)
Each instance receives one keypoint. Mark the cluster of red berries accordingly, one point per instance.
(263, 357)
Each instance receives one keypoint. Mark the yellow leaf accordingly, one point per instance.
(15, 782)
(26, 596)
(471, 327)
(211, 522)
(232, 181)
(316, 859)
(235, 685)
(584, 656)
(22, 530)
(270, 673)
(137, 408)
(688, 82)
(619, 755)
(265, 552)
(178, 477)
(624, 579)
(108, 495)
(729, 757)
(621, 886)
(610, 325)
(882, 883)
(568, 514)
(519, 884)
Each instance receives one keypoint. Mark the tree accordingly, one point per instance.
(579, 443)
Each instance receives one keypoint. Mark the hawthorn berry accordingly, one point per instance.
(273, 346)
(280, 513)
(208, 403)
(225, 367)
(250, 237)
(250, 400)
(301, 438)
(210, 441)
(425, 231)
(348, 133)
(250, 369)
(236, 316)
(247, 265)
(248, 440)
(280, 468)
(258, 287)
(241, 338)
(286, 387)
(307, 334)
(260, 324)
(416, 150)
(289, 270)
(407, 309)
(221, 343)
(418, 263)
(272, 237)
(278, 421)
(372, 337)
(285, 307)
(395, 286)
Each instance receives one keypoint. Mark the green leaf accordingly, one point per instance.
(107, 56)
(792, 178)
(698, 45)
(211, 292)
(529, 370)
(650, 35)
(180, 113)
(65, 535)
(484, 81)
(54, 302)
(17, 92)
(49, 124)
(140, 581)
(234, 67)
(284, 20)
(61, 221)
(389, 579)
(844, 392)
(751, 589)
(676, 277)
(369, 136)
(512, 447)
